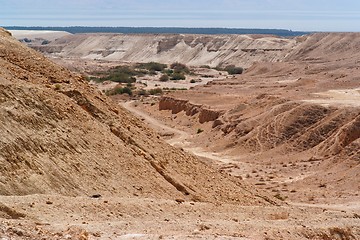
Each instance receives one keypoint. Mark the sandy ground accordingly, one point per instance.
(182, 139)
(59, 217)
(342, 97)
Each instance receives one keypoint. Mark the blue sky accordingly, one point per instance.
(307, 15)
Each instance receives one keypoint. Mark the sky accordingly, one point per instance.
(296, 15)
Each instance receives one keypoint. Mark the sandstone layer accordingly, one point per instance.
(213, 50)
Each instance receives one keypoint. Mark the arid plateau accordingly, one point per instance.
(205, 136)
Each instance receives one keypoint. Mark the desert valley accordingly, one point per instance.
(179, 136)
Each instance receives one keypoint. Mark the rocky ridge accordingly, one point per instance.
(241, 50)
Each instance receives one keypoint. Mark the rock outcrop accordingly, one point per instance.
(205, 114)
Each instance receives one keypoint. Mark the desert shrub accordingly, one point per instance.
(57, 87)
(143, 92)
(205, 66)
(207, 76)
(219, 68)
(26, 40)
(168, 72)
(192, 81)
(278, 196)
(152, 66)
(126, 90)
(174, 89)
(120, 90)
(45, 42)
(179, 68)
(120, 74)
(121, 78)
(177, 76)
(232, 69)
(155, 91)
(164, 78)
(199, 131)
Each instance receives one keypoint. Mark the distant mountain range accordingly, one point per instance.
(166, 30)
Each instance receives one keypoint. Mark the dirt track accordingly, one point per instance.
(178, 137)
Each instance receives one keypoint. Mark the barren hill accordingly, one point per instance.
(61, 136)
(211, 50)
(326, 47)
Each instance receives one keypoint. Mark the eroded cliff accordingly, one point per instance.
(241, 50)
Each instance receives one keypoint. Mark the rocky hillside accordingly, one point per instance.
(242, 50)
(59, 135)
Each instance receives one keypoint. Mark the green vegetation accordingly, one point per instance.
(177, 71)
(199, 131)
(168, 72)
(177, 76)
(152, 66)
(155, 91)
(119, 90)
(128, 74)
(205, 66)
(142, 92)
(120, 74)
(232, 69)
(174, 89)
(180, 68)
(57, 87)
(278, 196)
(164, 78)
(207, 76)
(45, 42)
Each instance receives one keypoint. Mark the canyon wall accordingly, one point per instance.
(212, 50)
(205, 114)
